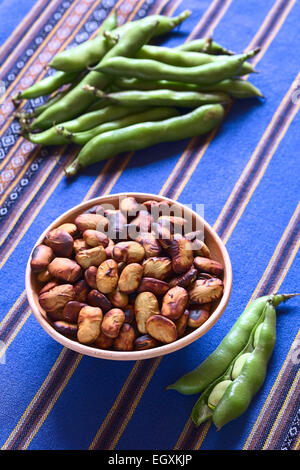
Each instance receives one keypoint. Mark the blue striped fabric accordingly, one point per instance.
(247, 177)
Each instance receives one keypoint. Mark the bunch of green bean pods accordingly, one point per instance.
(236, 370)
(116, 87)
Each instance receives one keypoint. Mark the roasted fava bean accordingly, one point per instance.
(156, 208)
(57, 297)
(89, 324)
(107, 276)
(209, 266)
(129, 313)
(145, 342)
(71, 311)
(64, 269)
(81, 291)
(118, 299)
(162, 329)
(61, 242)
(174, 303)
(112, 322)
(97, 299)
(185, 279)
(182, 323)
(129, 206)
(150, 244)
(90, 276)
(91, 257)
(199, 315)
(145, 306)
(182, 255)
(117, 222)
(143, 221)
(48, 286)
(70, 228)
(163, 235)
(156, 267)
(103, 342)
(41, 257)
(173, 223)
(91, 222)
(125, 339)
(97, 209)
(66, 328)
(204, 291)
(130, 278)
(80, 244)
(95, 238)
(130, 252)
(156, 286)
(109, 248)
(199, 247)
(44, 276)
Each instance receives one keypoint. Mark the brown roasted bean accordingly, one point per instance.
(118, 299)
(130, 278)
(156, 208)
(182, 323)
(112, 322)
(156, 267)
(129, 251)
(91, 257)
(206, 290)
(95, 238)
(125, 339)
(209, 266)
(41, 257)
(143, 221)
(173, 223)
(198, 316)
(129, 313)
(129, 206)
(97, 209)
(204, 276)
(49, 286)
(61, 242)
(174, 303)
(156, 286)
(70, 228)
(185, 279)
(44, 276)
(182, 255)
(150, 244)
(145, 342)
(80, 244)
(57, 297)
(107, 276)
(57, 315)
(89, 324)
(162, 329)
(90, 276)
(66, 329)
(71, 311)
(81, 291)
(145, 306)
(163, 235)
(87, 221)
(199, 247)
(64, 269)
(103, 342)
(117, 221)
(96, 299)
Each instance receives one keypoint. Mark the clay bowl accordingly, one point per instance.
(218, 252)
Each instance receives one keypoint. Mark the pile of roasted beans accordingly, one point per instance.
(145, 285)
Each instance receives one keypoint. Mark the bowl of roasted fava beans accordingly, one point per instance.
(128, 276)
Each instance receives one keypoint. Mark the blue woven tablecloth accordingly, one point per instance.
(246, 175)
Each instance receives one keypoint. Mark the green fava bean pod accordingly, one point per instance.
(89, 52)
(233, 343)
(47, 85)
(92, 51)
(186, 99)
(55, 135)
(154, 114)
(239, 394)
(153, 70)
(77, 100)
(204, 45)
(200, 121)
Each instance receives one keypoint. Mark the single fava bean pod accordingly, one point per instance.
(233, 343)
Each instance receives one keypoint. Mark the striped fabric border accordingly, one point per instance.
(192, 437)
